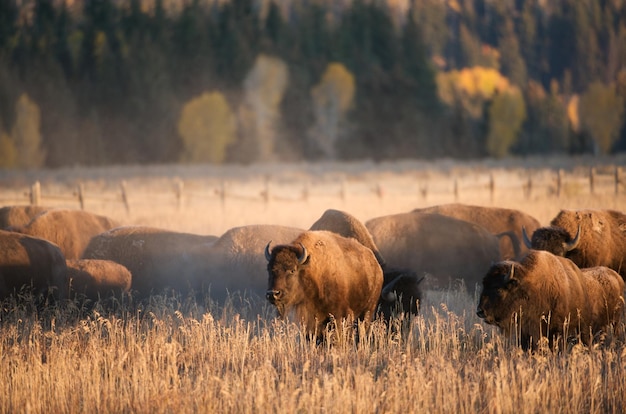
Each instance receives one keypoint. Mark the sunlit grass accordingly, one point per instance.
(174, 355)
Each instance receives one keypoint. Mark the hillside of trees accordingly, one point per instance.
(97, 82)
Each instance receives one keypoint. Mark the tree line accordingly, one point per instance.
(96, 82)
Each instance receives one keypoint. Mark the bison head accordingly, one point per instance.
(403, 286)
(553, 239)
(285, 263)
(499, 295)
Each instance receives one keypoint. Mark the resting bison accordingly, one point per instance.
(320, 276)
(499, 221)
(549, 296)
(157, 259)
(14, 216)
(96, 279)
(587, 237)
(399, 284)
(71, 230)
(31, 263)
(444, 248)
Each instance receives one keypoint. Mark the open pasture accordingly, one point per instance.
(177, 356)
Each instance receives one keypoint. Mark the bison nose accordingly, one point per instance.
(272, 295)
(480, 313)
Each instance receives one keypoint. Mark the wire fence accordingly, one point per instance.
(265, 189)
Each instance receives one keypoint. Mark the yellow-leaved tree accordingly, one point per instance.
(483, 93)
(601, 111)
(332, 98)
(8, 153)
(26, 134)
(507, 112)
(207, 127)
(259, 114)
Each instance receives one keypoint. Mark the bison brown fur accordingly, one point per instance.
(71, 230)
(15, 216)
(588, 237)
(322, 276)
(545, 296)
(497, 220)
(97, 279)
(30, 262)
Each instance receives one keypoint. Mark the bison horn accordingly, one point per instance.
(574, 243)
(305, 255)
(511, 273)
(527, 241)
(268, 254)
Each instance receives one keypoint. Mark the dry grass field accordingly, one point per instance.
(172, 356)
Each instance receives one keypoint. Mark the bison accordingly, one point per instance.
(444, 248)
(157, 259)
(401, 290)
(236, 261)
(322, 276)
(499, 221)
(71, 230)
(588, 237)
(545, 295)
(346, 225)
(162, 260)
(15, 216)
(96, 279)
(31, 263)
(401, 293)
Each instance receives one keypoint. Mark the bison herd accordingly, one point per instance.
(559, 281)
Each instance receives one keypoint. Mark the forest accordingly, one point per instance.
(111, 82)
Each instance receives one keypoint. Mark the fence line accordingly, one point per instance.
(271, 190)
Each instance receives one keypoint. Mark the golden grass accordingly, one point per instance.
(173, 356)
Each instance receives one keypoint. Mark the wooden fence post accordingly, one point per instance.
(617, 179)
(35, 194)
(592, 176)
(222, 193)
(456, 189)
(492, 187)
(559, 182)
(528, 188)
(379, 191)
(424, 190)
(265, 194)
(179, 193)
(81, 195)
(342, 191)
(125, 196)
(305, 192)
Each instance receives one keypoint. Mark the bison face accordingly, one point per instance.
(496, 304)
(404, 286)
(553, 239)
(284, 265)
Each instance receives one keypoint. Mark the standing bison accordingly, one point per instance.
(549, 296)
(321, 276)
(15, 216)
(497, 220)
(444, 248)
(71, 230)
(401, 291)
(96, 279)
(587, 237)
(30, 263)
